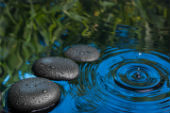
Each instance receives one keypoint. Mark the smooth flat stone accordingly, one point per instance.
(33, 95)
(82, 53)
(56, 68)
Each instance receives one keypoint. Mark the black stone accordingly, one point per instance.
(82, 53)
(32, 95)
(56, 68)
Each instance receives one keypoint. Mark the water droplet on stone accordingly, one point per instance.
(17, 102)
(33, 95)
(82, 53)
(44, 91)
(25, 103)
(26, 84)
(57, 68)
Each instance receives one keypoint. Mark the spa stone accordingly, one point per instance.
(56, 68)
(82, 53)
(32, 95)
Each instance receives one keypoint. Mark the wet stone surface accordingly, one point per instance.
(56, 68)
(33, 95)
(82, 53)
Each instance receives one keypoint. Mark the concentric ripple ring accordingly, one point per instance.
(136, 70)
(125, 81)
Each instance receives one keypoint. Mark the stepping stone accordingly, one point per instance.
(82, 53)
(33, 95)
(56, 68)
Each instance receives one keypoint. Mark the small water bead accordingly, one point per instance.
(17, 102)
(32, 99)
(151, 77)
(82, 53)
(56, 68)
(44, 91)
(137, 76)
(140, 53)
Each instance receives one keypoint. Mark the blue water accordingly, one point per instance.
(121, 81)
(111, 86)
(133, 72)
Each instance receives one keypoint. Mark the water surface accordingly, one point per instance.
(132, 74)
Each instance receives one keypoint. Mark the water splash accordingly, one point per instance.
(125, 81)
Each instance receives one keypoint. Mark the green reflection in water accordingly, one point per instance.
(28, 30)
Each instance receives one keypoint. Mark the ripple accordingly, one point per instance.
(125, 81)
